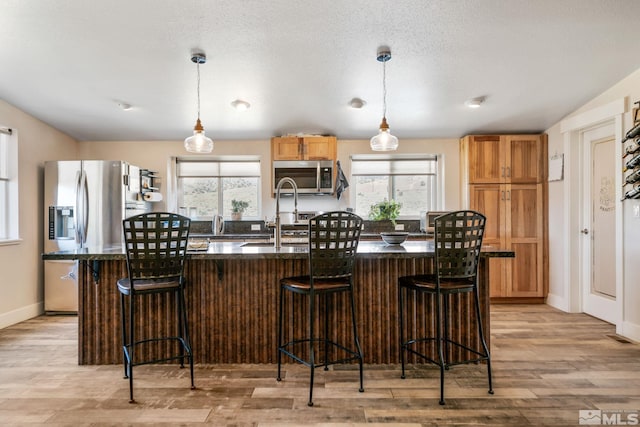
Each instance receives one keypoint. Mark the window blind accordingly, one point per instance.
(369, 165)
(217, 168)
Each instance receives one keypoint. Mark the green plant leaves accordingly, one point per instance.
(238, 205)
(385, 210)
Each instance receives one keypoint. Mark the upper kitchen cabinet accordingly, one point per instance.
(304, 148)
(496, 159)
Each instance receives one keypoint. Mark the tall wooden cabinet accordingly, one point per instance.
(505, 178)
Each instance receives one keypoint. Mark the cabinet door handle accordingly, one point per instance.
(502, 174)
(509, 195)
(502, 195)
(508, 171)
(585, 231)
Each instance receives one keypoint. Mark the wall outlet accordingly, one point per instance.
(255, 227)
(399, 227)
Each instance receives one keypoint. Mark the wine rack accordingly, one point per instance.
(631, 158)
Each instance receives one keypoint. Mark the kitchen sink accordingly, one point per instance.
(267, 244)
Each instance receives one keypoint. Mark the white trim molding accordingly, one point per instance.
(572, 129)
(593, 117)
(21, 314)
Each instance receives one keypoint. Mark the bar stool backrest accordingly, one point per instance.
(458, 239)
(156, 245)
(333, 242)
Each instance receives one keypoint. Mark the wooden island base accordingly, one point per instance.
(232, 318)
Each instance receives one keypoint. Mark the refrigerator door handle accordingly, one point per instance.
(85, 207)
(77, 213)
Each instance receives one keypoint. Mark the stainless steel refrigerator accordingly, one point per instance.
(85, 202)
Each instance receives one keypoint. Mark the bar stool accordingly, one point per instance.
(156, 245)
(333, 241)
(458, 238)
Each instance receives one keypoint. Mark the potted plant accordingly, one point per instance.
(385, 210)
(237, 208)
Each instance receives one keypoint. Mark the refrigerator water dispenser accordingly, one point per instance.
(61, 222)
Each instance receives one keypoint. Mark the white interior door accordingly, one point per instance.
(599, 220)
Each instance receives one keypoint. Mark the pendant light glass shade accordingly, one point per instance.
(198, 142)
(384, 140)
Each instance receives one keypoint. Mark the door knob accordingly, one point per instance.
(585, 231)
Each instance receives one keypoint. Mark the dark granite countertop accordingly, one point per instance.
(228, 250)
(248, 236)
(235, 236)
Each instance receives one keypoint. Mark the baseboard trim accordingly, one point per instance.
(629, 330)
(21, 314)
(558, 302)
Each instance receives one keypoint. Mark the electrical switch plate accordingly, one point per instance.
(399, 227)
(255, 227)
(636, 210)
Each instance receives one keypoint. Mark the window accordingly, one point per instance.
(8, 186)
(411, 180)
(206, 187)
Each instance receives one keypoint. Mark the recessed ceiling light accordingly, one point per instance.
(240, 105)
(124, 106)
(474, 102)
(357, 103)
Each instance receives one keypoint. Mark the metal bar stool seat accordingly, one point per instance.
(333, 242)
(156, 245)
(458, 239)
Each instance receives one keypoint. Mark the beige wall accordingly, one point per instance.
(556, 223)
(628, 89)
(21, 290)
(156, 155)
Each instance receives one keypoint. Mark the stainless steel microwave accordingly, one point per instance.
(310, 176)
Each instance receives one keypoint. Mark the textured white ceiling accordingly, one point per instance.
(300, 62)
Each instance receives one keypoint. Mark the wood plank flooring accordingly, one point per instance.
(547, 365)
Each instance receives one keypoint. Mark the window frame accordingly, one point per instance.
(176, 187)
(397, 159)
(10, 203)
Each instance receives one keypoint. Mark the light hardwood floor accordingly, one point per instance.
(547, 365)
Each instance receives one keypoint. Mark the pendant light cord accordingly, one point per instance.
(384, 89)
(198, 86)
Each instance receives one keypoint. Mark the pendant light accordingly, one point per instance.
(384, 141)
(198, 142)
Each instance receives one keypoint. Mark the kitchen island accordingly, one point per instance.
(231, 294)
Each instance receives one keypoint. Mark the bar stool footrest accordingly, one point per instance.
(283, 350)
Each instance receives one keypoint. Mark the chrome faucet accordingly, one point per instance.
(278, 231)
